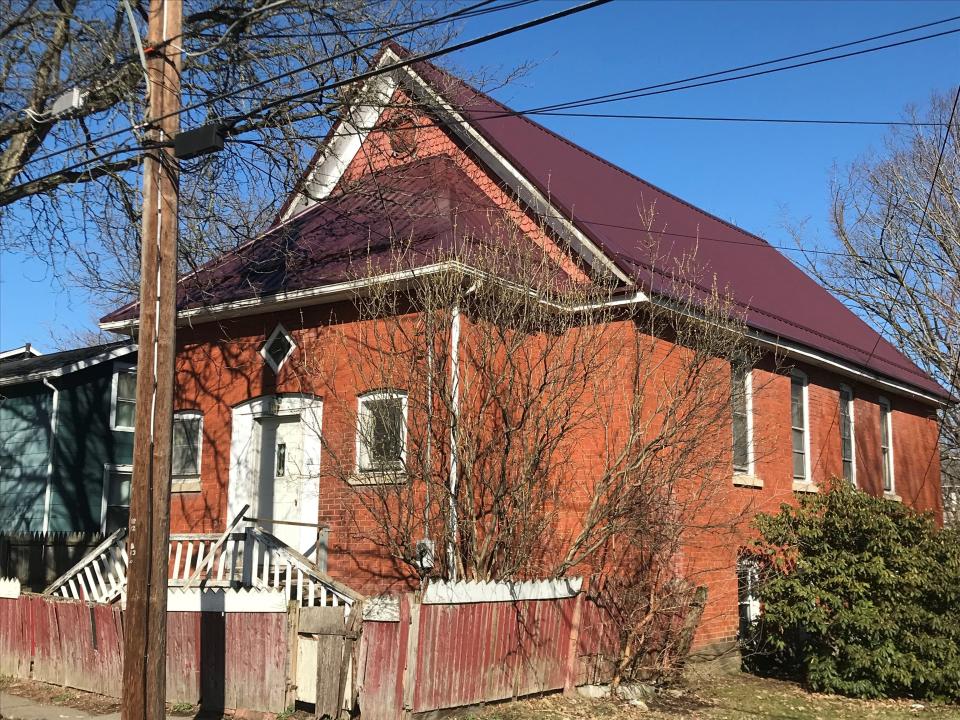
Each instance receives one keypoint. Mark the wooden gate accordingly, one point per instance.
(324, 669)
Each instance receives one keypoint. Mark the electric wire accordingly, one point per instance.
(556, 107)
(923, 218)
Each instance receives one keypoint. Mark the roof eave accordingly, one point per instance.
(70, 367)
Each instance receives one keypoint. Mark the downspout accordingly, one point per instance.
(48, 493)
(454, 416)
(454, 423)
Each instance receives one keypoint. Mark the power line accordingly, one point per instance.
(303, 68)
(715, 118)
(547, 109)
(544, 110)
(690, 82)
(923, 215)
(330, 86)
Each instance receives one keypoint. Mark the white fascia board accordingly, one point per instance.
(825, 360)
(344, 147)
(842, 367)
(525, 190)
(73, 367)
(335, 292)
(20, 351)
(349, 137)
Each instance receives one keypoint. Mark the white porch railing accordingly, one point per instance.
(101, 576)
(238, 558)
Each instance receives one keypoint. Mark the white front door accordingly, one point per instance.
(283, 483)
(275, 466)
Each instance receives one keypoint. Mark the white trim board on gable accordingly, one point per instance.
(343, 148)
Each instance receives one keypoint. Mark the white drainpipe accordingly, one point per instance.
(48, 494)
(454, 415)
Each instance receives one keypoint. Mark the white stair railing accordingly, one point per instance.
(101, 576)
(251, 558)
(271, 563)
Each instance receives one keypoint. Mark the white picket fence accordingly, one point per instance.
(247, 558)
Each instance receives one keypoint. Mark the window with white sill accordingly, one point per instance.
(381, 432)
(187, 446)
(800, 427)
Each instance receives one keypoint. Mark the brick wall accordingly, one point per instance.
(219, 367)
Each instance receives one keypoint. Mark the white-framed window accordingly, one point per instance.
(886, 445)
(800, 426)
(381, 432)
(123, 399)
(847, 436)
(278, 347)
(187, 446)
(741, 401)
(115, 503)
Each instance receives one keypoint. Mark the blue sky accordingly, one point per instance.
(757, 176)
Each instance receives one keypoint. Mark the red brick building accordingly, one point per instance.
(422, 156)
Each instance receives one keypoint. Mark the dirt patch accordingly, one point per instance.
(46, 694)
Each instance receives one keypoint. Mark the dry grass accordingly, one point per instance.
(708, 696)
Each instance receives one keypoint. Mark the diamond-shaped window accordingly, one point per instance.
(278, 348)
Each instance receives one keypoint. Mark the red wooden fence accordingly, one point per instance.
(225, 660)
(438, 656)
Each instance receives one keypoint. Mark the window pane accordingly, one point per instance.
(796, 403)
(126, 386)
(887, 485)
(278, 348)
(387, 430)
(741, 458)
(186, 446)
(382, 440)
(117, 517)
(799, 466)
(798, 444)
(119, 491)
(847, 470)
(126, 414)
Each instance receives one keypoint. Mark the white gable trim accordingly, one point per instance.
(344, 147)
(349, 137)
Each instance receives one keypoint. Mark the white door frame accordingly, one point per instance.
(245, 455)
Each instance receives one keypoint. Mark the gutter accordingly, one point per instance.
(48, 492)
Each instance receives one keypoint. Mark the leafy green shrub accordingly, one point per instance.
(860, 596)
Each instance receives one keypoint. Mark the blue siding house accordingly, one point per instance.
(66, 438)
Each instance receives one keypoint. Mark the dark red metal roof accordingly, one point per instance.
(405, 216)
(606, 203)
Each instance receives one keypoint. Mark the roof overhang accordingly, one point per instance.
(334, 292)
(113, 354)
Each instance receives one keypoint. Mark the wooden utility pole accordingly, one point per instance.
(145, 620)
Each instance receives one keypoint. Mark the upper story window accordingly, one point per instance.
(800, 427)
(886, 444)
(381, 432)
(847, 456)
(187, 445)
(123, 401)
(278, 347)
(741, 401)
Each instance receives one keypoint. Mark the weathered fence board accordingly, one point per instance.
(478, 643)
(225, 660)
